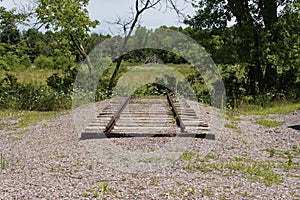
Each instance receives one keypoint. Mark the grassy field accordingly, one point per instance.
(34, 77)
(282, 107)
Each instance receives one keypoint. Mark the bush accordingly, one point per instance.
(63, 63)
(43, 62)
(4, 66)
(65, 82)
(25, 61)
(11, 62)
(14, 95)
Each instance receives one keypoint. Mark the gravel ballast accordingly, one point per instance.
(247, 162)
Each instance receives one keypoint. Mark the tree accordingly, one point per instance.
(256, 34)
(69, 18)
(129, 25)
(10, 38)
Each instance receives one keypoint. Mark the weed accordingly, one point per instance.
(96, 194)
(211, 156)
(103, 186)
(174, 119)
(223, 196)
(290, 157)
(163, 194)
(85, 194)
(193, 192)
(257, 171)
(3, 163)
(296, 149)
(208, 192)
(178, 183)
(234, 120)
(28, 118)
(245, 194)
(232, 126)
(90, 167)
(239, 159)
(205, 167)
(92, 190)
(189, 167)
(271, 151)
(232, 117)
(269, 123)
(187, 155)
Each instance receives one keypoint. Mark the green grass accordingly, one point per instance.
(234, 121)
(3, 163)
(289, 159)
(27, 118)
(208, 192)
(232, 126)
(187, 155)
(34, 77)
(269, 123)
(102, 190)
(272, 108)
(257, 171)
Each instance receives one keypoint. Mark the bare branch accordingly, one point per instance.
(137, 6)
(140, 7)
(172, 4)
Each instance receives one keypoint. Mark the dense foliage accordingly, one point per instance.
(259, 53)
(255, 44)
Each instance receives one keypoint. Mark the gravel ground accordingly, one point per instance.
(50, 162)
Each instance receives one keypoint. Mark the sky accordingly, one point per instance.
(107, 11)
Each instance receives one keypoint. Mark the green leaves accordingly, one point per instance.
(103, 186)
(68, 17)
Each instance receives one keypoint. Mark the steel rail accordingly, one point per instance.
(116, 116)
(175, 113)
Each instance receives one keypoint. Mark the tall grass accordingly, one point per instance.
(30, 77)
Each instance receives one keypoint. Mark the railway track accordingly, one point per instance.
(140, 117)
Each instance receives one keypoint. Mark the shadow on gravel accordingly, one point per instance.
(296, 127)
(87, 136)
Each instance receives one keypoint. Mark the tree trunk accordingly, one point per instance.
(258, 73)
(82, 51)
(113, 77)
(269, 12)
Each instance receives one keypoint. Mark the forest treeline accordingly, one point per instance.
(255, 44)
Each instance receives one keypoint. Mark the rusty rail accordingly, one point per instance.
(116, 116)
(175, 113)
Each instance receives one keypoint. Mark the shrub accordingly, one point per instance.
(63, 63)
(43, 62)
(65, 82)
(25, 61)
(14, 95)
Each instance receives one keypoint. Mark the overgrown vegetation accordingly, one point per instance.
(26, 118)
(269, 123)
(257, 57)
(255, 170)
